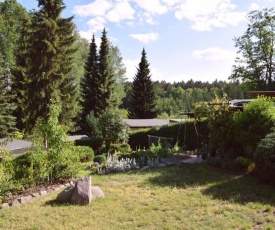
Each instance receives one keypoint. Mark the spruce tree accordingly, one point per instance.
(20, 75)
(90, 84)
(50, 61)
(142, 100)
(107, 76)
(7, 120)
(69, 86)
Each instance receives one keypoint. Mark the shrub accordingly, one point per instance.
(254, 123)
(265, 158)
(245, 164)
(94, 142)
(101, 159)
(160, 151)
(85, 153)
(184, 134)
(120, 148)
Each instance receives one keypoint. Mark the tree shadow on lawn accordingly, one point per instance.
(221, 185)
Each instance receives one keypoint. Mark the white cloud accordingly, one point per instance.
(207, 14)
(254, 6)
(96, 24)
(96, 8)
(170, 2)
(152, 6)
(121, 11)
(145, 38)
(131, 68)
(214, 54)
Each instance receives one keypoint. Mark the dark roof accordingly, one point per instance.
(142, 123)
(254, 94)
(15, 144)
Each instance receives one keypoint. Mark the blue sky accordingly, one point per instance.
(184, 39)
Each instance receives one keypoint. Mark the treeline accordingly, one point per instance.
(172, 98)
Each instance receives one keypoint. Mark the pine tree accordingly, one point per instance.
(90, 84)
(107, 76)
(50, 61)
(7, 120)
(142, 100)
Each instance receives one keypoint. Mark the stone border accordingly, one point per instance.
(27, 198)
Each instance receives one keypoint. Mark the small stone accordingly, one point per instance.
(56, 188)
(14, 203)
(96, 192)
(62, 186)
(145, 167)
(24, 199)
(5, 205)
(36, 194)
(50, 190)
(42, 193)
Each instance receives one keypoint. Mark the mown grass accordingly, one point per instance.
(190, 196)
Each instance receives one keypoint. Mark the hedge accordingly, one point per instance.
(184, 133)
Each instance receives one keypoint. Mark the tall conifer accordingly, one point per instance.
(90, 84)
(142, 100)
(7, 107)
(107, 76)
(50, 61)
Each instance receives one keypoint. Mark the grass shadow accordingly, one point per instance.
(221, 185)
(242, 189)
(56, 203)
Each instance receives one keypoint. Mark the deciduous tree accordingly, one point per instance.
(256, 48)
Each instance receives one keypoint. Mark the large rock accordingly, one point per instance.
(82, 192)
(96, 192)
(66, 194)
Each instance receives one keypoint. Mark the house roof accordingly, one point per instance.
(254, 94)
(78, 137)
(15, 144)
(142, 123)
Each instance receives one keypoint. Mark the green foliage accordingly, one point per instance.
(220, 122)
(107, 86)
(85, 153)
(184, 134)
(113, 127)
(101, 159)
(255, 66)
(90, 87)
(48, 75)
(254, 123)
(160, 151)
(7, 107)
(142, 104)
(94, 142)
(93, 125)
(265, 158)
(245, 164)
(120, 148)
(8, 184)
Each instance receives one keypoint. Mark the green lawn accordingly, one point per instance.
(191, 196)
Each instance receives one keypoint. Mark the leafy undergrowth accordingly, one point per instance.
(190, 196)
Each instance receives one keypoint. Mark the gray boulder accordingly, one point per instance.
(96, 192)
(82, 191)
(66, 194)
